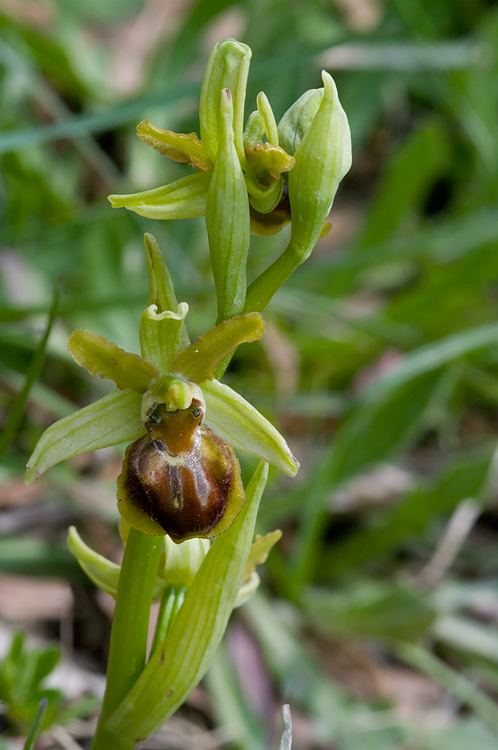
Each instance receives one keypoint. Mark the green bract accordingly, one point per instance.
(169, 369)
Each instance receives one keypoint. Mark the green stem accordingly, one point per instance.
(130, 625)
(171, 602)
(262, 289)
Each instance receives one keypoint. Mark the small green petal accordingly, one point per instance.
(111, 420)
(162, 335)
(238, 423)
(227, 220)
(227, 68)
(266, 112)
(176, 146)
(182, 199)
(102, 357)
(298, 118)
(247, 589)
(182, 561)
(198, 361)
(101, 571)
(180, 662)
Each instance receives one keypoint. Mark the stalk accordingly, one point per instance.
(130, 625)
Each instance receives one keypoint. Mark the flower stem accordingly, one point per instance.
(171, 602)
(262, 289)
(128, 646)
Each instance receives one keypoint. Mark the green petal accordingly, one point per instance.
(198, 361)
(183, 658)
(260, 549)
(266, 112)
(162, 335)
(113, 419)
(242, 426)
(101, 571)
(182, 199)
(176, 146)
(102, 357)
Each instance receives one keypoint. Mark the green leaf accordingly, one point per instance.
(240, 424)
(36, 726)
(111, 420)
(182, 199)
(371, 609)
(16, 412)
(198, 361)
(102, 357)
(176, 667)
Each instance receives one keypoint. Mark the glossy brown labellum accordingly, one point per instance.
(180, 477)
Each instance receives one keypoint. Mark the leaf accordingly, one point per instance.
(36, 726)
(102, 357)
(385, 611)
(235, 420)
(174, 670)
(198, 361)
(111, 420)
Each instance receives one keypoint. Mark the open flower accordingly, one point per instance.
(180, 475)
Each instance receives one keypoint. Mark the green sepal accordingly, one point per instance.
(161, 290)
(198, 361)
(101, 571)
(102, 357)
(227, 219)
(183, 199)
(162, 335)
(179, 663)
(298, 118)
(266, 112)
(323, 157)
(111, 420)
(237, 422)
(176, 146)
(227, 68)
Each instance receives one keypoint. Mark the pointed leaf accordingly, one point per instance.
(175, 668)
(161, 335)
(182, 199)
(234, 419)
(113, 419)
(102, 357)
(176, 146)
(198, 361)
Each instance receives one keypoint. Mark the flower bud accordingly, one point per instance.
(323, 157)
(298, 119)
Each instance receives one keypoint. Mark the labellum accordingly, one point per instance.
(180, 478)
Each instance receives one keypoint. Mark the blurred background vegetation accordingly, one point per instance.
(378, 616)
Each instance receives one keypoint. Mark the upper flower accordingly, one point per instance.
(184, 422)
